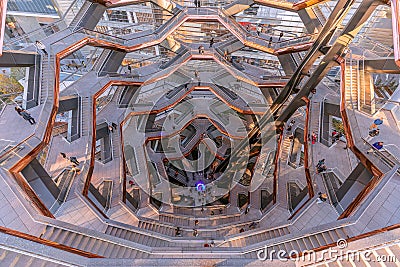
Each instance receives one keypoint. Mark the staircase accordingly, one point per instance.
(137, 237)
(64, 5)
(77, 13)
(315, 117)
(258, 237)
(12, 258)
(297, 58)
(319, 14)
(157, 227)
(351, 85)
(116, 144)
(86, 109)
(91, 244)
(286, 144)
(47, 78)
(311, 241)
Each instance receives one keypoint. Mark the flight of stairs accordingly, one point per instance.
(351, 85)
(77, 13)
(157, 227)
(90, 244)
(86, 109)
(286, 143)
(319, 14)
(137, 237)
(116, 143)
(260, 236)
(47, 75)
(315, 118)
(308, 242)
(12, 258)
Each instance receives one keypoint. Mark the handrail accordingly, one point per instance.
(329, 189)
(66, 186)
(48, 243)
(296, 40)
(386, 160)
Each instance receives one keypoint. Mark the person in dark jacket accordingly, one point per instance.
(377, 146)
(27, 117)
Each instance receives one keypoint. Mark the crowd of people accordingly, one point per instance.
(373, 132)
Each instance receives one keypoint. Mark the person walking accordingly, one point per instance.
(63, 155)
(41, 46)
(377, 146)
(130, 68)
(211, 42)
(270, 41)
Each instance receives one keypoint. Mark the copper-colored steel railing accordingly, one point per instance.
(310, 187)
(276, 169)
(306, 149)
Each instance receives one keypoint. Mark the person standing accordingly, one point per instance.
(41, 46)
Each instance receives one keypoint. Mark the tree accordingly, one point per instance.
(9, 85)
